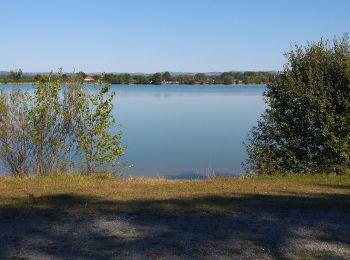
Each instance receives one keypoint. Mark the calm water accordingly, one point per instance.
(185, 131)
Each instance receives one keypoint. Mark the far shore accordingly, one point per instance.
(136, 84)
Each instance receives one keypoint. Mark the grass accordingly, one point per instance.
(99, 217)
(93, 193)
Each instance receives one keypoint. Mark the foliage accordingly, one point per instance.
(157, 79)
(47, 118)
(16, 75)
(228, 78)
(45, 132)
(167, 76)
(200, 77)
(97, 144)
(248, 77)
(306, 128)
(16, 149)
(81, 75)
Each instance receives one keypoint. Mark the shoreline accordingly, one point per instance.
(135, 84)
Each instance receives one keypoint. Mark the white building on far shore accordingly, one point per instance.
(89, 79)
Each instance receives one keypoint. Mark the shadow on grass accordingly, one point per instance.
(74, 226)
(336, 186)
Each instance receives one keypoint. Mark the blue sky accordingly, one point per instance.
(159, 35)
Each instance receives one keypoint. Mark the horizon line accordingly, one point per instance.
(145, 73)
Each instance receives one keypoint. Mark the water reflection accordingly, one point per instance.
(184, 131)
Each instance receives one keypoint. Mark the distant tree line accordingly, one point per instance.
(228, 78)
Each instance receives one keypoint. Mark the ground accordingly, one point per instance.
(75, 217)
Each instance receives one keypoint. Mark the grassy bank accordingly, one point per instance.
(159, 195)
(75, 217)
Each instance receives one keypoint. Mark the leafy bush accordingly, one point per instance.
(61, 128)
(94, 121)
(306, 128)
(16, 147)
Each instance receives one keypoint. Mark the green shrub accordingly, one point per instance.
(16, 148)
(306, 127)
(46, 132)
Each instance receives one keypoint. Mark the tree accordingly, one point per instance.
(166, 76)
(43, 133)
(16, 147)
(95, 119)
(157, 79)
(141, 79)
(16, 75)
(126, 78)
(306, 127)
(228, 78)
(37, 77)
(200, 77)
(46, 117)
(81, 75)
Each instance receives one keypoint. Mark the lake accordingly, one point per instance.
(180, 131)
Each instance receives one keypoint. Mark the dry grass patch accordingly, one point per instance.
(89, 217)
(218, 195)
